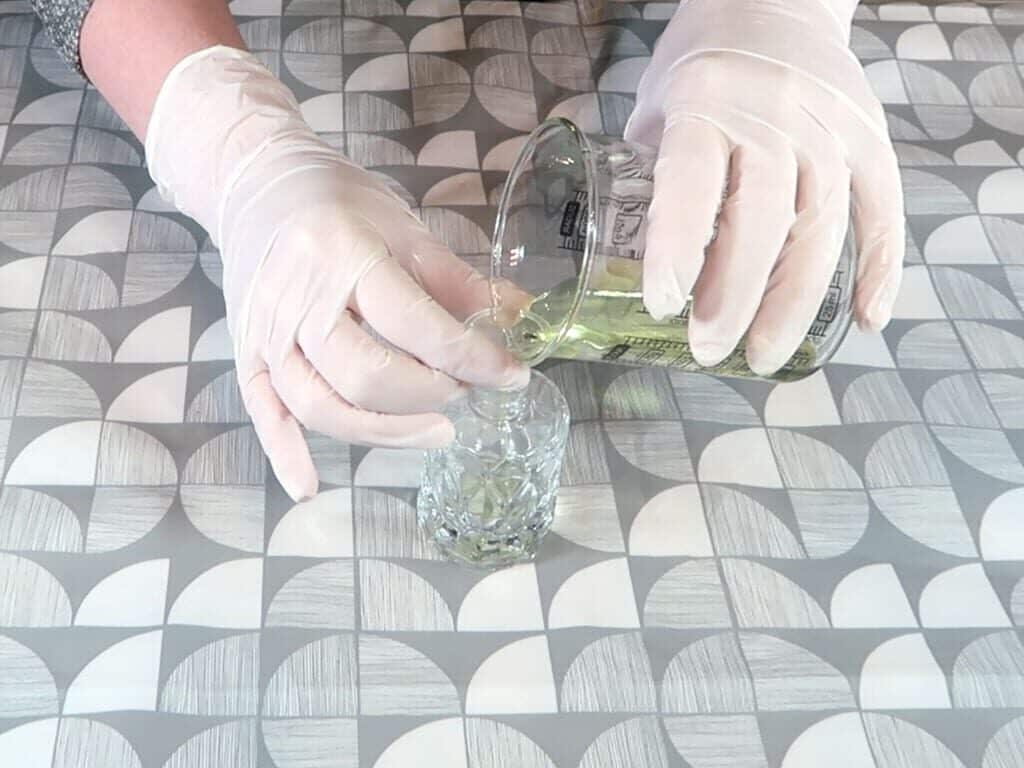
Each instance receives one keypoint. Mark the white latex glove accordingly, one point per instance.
(311, 245)
(764, 95)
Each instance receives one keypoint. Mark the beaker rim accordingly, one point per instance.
(578, 139)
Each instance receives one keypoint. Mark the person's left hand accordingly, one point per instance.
(764, 99)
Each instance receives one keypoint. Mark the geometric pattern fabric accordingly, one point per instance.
(741, 575)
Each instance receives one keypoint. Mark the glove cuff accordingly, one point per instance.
(215, 112)
(843, 10)
(810, 37)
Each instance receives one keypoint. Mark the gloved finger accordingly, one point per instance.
(752, 229)
(280, 435)
(400, 311)
(800, 279)
(457, 286)
(879, 226)
(368, 374)
(689, 177)
(318, 407)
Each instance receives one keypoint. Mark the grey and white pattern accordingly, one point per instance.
(63, 20)
(742, 575)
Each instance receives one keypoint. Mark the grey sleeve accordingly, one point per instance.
(63, 21)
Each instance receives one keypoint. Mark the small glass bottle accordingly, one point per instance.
(489, 497)
(570, 236)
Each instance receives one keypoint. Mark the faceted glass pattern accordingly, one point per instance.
(489, 497)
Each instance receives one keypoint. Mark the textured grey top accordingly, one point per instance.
(63, 21)
(742, 575)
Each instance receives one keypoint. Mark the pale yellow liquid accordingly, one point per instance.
(613, 326)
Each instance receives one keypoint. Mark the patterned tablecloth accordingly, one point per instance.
(824, 574)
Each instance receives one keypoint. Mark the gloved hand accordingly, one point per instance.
(312, 245)
(764, 98)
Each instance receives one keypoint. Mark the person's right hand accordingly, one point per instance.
(312, 247)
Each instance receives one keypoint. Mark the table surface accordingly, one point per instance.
(822, 574)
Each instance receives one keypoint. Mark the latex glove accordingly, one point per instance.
(764, 95)
(312, 245)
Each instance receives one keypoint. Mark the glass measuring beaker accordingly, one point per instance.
(570, 236)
